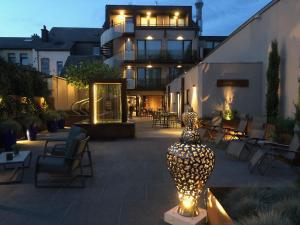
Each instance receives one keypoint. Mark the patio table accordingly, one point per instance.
(19, 162)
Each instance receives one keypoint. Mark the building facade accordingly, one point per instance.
(234, 73)
(151, 45)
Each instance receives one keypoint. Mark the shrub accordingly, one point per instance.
(289, 208)
(9, 125)
(245, 207)
(63, 114)
(27, 120)
(266, 218)
(50, 115)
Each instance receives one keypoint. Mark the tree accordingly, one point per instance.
(22, 81)
(273, 80)
(85, 72)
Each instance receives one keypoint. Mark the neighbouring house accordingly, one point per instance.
(234, 73)
(51, 52)
(152, 45)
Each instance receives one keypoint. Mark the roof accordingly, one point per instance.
(212, 38)
(75, 34)
(60, 39)
(240, 28)
(16, 43)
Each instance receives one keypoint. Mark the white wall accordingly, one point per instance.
(53, 56)
(252, 44)
(4, 54)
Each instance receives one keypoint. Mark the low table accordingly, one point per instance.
(17, 164)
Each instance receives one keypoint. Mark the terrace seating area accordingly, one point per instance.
(131, 183)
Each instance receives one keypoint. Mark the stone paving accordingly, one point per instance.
(131, 185)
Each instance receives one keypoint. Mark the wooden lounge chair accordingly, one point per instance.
(264, 157)
(69, 167)
(242, 149)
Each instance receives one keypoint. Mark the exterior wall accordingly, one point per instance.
(4, 55)
(244, 99)
(206, 98)
(252, 44)
(64, 94)
(53, 56)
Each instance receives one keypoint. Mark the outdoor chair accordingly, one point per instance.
(242, 149)
(68, 166)
(60, 149)
(217, 135)
(156, 119)
(264, 157)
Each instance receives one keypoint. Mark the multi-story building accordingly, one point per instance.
(53, 50)
(151, 45)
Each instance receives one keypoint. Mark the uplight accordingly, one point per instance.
(148, 13)
(179, 66)
(179, 38)
(149, 66)
(176, 14)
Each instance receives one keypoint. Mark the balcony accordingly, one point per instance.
(166, 56)
(119, 58)
(151, 84)
(116, 31)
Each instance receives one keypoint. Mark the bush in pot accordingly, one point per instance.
(30, 124)
(8, 133)
(62, 120)
(51, 117)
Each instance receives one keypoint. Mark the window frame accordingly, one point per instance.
(14, 56)
(145, 55)
(182, 47)
(45, 58)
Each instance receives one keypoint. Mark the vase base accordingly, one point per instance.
(172, 217)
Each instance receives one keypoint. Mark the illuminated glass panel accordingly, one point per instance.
(107, 103)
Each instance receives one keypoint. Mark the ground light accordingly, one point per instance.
(190, 164)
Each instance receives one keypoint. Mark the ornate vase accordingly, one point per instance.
(190, 164)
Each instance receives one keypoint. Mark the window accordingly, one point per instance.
(149, 77)
(180, 49)
(181, 22)
(209, 44)
(59, 67)
(148, 49)
(24, 59)
(151, 21)
(174, 72)
(45, 67)
(96, 51)
(11, 57)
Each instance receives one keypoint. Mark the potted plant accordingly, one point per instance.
(8, 133)
(51, 117)
(30, 125)
(62, 120)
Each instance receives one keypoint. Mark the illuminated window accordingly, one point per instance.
(181, 22)
(148, 21)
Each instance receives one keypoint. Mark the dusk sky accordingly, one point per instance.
(24, 18)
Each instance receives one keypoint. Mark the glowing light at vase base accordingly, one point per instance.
(188, 206)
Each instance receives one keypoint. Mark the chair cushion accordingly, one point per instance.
(53, 165)
(74, 132)
(73, 146)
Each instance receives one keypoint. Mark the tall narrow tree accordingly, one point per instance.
(273, 80)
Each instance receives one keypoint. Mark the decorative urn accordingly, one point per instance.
(190, 164)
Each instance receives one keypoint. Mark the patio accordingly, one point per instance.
(131, 184)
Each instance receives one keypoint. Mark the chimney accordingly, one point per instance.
(199, 6)
(45, 34)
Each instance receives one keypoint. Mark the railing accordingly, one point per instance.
(151, 84)
(166, 55)
(116, 31)
(118, 58)
(166, 25)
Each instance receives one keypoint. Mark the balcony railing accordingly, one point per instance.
(116, 31)
(151, 84)
(118, 58)
(157, 25)
(168, 56)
